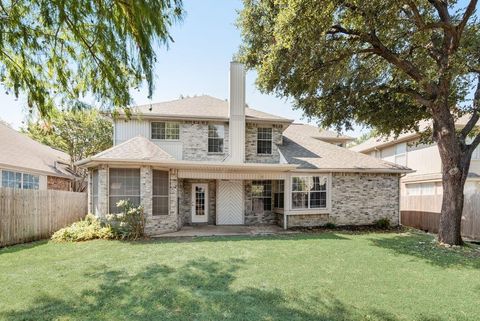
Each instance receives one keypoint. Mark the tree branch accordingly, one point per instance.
(476, 113)
(468, 13)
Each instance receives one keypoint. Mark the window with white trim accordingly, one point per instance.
(309, 192)
(264, 141)
(20, 180)
(401, 154)
(261, 196)
(216, 136)
(160, 192)
(124, 184)
(165, 130)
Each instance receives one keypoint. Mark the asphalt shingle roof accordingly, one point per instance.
(205, 106)
(20, 151)
(303, 149)
(137, 148)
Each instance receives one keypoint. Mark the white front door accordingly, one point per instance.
(199, 203)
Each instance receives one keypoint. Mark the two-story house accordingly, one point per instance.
(421, 191)
(203, 160)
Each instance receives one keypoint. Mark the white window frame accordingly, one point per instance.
(222, 138)
(265, 140)
(308, 209)
(109, 195)
(167, 196)
(166, 124)
(22, 180)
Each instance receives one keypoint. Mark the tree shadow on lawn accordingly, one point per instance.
(20, 247)
(423, 246)
(200, 290)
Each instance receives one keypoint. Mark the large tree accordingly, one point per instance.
(80, 133)
(386, 63)
(55, 51)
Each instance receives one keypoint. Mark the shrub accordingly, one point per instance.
(383, 223)
(88, 229)
(129, 224)
(330, 225)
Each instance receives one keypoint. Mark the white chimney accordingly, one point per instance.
(237, 113)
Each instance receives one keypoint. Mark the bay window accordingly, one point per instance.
(309, 192)
(160, 193)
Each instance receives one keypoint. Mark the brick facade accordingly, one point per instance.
(59, 183)
(251, 155)
(194, 137)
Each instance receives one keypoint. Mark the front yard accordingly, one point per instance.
(328, 276)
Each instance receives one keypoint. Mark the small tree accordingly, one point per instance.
(78, 132)
(386, 63)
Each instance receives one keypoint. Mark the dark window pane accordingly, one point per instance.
(264, 140)
(261, 196)
(318, 199)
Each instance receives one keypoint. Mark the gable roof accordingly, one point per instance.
(301, 148)
(384, 141)
(200, 107)
(18, 151)
(320, 133)
(135, 149)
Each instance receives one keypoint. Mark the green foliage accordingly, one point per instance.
(88, 229)
(383, 223)
(330, 225)
(64, 50)
(387, 64)
(130, 223)
(80, 133)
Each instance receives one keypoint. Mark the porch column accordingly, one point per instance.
(287, 200)
(102, 191)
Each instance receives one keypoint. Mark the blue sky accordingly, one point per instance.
(196, 63)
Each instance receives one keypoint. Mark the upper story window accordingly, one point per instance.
(309, 192)
(264, 141)
(20, 180)
(165, 130)
(216, 136)
(401, 154)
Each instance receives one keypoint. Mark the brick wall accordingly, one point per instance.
(361, 199)
(194, 136)
(251, 155)
(58, 183)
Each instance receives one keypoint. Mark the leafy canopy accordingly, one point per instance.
(385, 63)
(59, 51)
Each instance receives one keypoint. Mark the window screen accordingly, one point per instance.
(160, 192)
(124, 185)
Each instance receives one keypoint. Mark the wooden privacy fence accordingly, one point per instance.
(423, 212)
(28, 215)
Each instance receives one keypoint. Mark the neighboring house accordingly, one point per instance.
(421, 190)
(27, 164)
(204, 160)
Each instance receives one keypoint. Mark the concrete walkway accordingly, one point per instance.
(226, 230)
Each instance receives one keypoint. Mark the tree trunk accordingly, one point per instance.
(455, 167)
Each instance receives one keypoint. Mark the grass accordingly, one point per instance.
(327, 276)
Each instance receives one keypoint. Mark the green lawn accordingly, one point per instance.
(328, 276)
